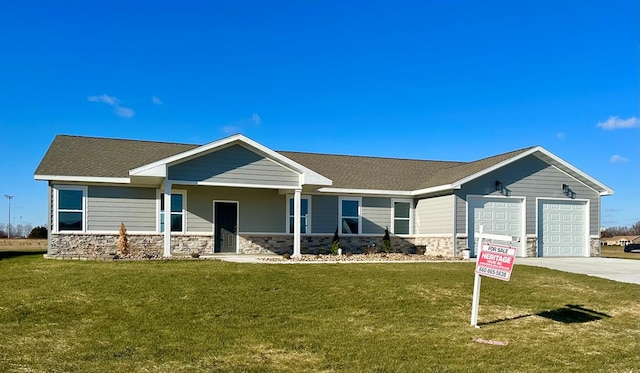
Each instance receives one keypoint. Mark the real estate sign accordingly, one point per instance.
(496, 261)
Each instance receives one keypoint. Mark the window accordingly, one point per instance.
(305, 215)
(70, 209)
(177, 212)
(401, 217)
(350, 215)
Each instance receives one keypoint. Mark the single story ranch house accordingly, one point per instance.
(235, 195)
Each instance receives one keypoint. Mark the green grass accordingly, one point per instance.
(617, 252)
(208, 316)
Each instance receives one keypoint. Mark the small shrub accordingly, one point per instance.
(37, 232)
(386, 241)
(372, 249)
(420, 250)
(286, 256)
(195, 254)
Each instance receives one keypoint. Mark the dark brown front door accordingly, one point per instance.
(225, 220)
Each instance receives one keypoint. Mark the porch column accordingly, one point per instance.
(167, 218)
(296, 223)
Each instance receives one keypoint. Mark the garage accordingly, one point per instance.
(498, 216)
(562, 228)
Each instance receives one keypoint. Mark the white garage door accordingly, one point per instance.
(562, 228)
(497, 215)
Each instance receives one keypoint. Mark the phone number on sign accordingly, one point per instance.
(492, 272)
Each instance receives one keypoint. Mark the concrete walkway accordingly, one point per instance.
(622, 270)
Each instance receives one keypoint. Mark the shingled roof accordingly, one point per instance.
(103, 157)
(113, 158)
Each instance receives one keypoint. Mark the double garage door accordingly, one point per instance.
(562, 224)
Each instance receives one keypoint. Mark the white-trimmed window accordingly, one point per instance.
(350, 215)
(177, 215)
(70, 208)
(402, 221)
(305, 214)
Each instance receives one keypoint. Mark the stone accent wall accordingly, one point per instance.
(532, 247)
(102, 245)
(438, 246)
(461, 244)
(595, 248)
(106, 245)
(187, 245)
(280, 244)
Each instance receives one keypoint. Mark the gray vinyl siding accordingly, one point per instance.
(531, 178)
(108, 206)
(234, 165)
(434, 215)
(376, 215)
(261, 210)
(324, 214)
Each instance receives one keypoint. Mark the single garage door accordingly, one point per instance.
(562, 227)
(497, 215)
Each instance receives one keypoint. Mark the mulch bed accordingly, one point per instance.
(379, 257)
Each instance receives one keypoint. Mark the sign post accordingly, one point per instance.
(495, 261)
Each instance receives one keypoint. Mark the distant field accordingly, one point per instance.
(618, 252)
(22, 244)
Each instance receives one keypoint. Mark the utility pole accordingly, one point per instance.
(9, 197)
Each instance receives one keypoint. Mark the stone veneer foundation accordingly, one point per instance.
(105, 245)
(321, 244)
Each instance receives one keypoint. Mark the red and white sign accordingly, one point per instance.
(496, 261)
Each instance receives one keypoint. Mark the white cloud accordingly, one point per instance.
(239, 125)
(231, 130)
(560, 135)
(118, 109)
(104, 98)
(124, 112)
(614, 123)
(156, 100)
(618, 159)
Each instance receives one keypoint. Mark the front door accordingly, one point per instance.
(225, 227)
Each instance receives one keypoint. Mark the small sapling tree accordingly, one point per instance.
(123, 241)
(386, 241)
(335, 243)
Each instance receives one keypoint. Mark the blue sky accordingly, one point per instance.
(446, 80)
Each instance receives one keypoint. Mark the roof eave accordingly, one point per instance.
(86, 179)
(602, 189)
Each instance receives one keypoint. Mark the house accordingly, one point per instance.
(620, 240)
(235, 195)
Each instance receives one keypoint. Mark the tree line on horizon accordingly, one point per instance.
(621, 231)
(23, 231)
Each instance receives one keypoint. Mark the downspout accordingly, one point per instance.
(49, 217)
(455, 230)
(167, 218)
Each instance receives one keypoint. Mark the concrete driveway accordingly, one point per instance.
(623, 270)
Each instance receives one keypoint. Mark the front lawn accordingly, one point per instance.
(208, 316)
